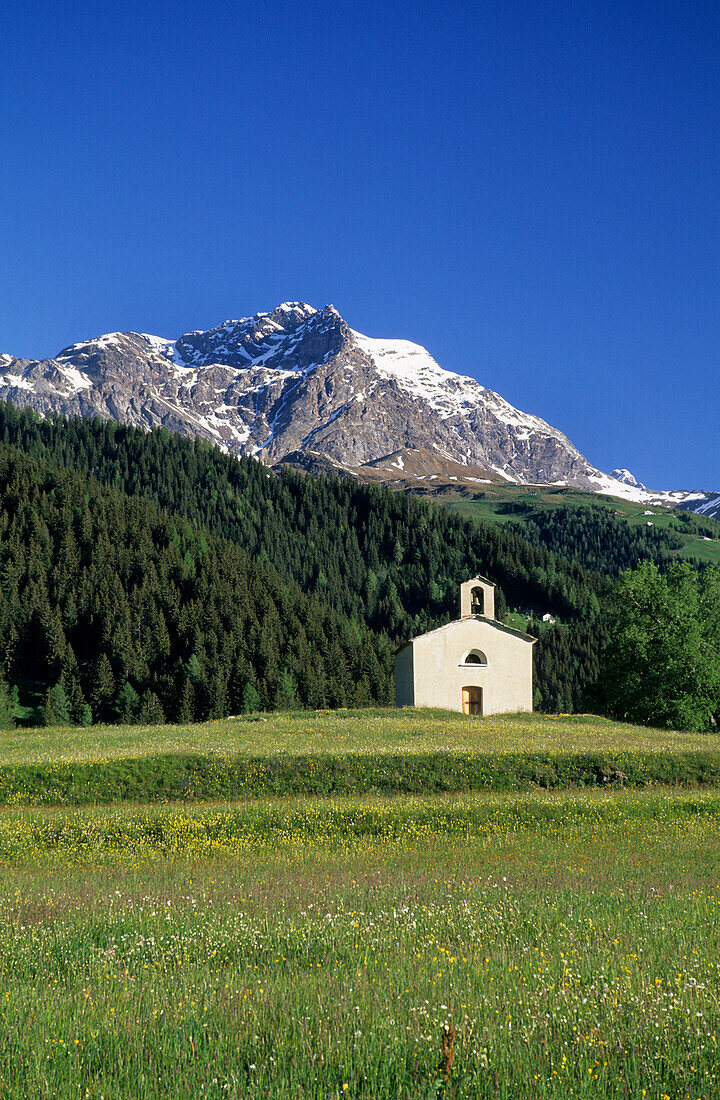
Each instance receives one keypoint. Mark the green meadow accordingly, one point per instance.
(496, 503)
(319, 947)
(364, 732)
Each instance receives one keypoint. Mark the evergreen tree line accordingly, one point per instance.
(117, 611)
(388, 561)
(391, 560)
(567, 663)
(597, 540)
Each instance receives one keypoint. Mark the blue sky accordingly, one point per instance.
(530, 190)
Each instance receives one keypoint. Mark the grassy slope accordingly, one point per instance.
(341, 732)
(487, 504)
(360, 753)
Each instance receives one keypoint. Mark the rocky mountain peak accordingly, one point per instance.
(298, 380)
(266, 339)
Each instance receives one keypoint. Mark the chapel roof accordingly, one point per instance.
(478, 618)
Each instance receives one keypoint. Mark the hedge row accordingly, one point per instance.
(196, 778)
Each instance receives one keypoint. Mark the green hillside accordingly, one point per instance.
(385, 565)
(657, 533)
(391, 562)
(119, 607)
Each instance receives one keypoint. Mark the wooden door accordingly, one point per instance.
(472, 700)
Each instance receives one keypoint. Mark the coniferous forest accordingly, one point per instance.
(110, 604)
(147, 575)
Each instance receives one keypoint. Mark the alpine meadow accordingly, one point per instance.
(536, 944)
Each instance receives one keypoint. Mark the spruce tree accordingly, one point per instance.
(151, 712)
(286, 695)
(103, 687)
(250, 699)
(7, 707)
(186, 710)
(56, 709)
(127, 704)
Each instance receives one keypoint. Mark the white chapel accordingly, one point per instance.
(474, 664)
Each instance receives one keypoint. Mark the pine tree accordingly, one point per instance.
(250, 699)
(7, 707)
(242, 673)
(151, 712)
(193, 669)
(127, 704)
(56, 709)
(217, 694)
(71, 682)
(286, 696)
(103, 687)
(186, 710)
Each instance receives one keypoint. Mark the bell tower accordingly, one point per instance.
(477, 597)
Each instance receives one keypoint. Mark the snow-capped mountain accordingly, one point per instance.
(705, 504)
(298, 381)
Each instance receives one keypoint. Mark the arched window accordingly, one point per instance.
(477, 602)
(474, 657)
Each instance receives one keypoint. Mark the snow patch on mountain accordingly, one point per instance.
(16, 380)
(166, 350)
(87, 347)
(76, 380)
(705, 504)
(414, 369)
(638, 494)
(449, 394)
(627, 478)
(604, 483)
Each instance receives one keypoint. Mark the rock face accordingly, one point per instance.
(299, 381)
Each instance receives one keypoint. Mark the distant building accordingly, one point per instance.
(475, 664)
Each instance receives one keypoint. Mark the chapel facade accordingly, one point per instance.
(474, 664)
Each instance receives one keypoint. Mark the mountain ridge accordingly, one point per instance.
(297, 381)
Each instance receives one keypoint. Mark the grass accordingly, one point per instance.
(321, 947)
(491, 503)
(519, 621)
(702, 550)
(364, 732)
(317, 948)
(346, 752)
